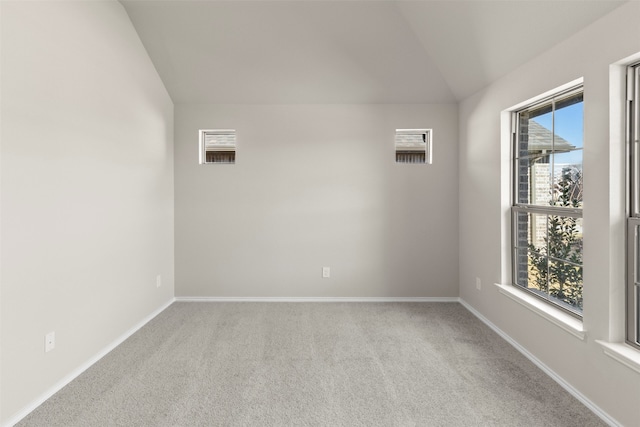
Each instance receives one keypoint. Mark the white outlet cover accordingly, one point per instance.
(326, 272)
(158, 281)
(49, 342)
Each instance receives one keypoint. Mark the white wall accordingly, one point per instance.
(610, 385)
(314, 186)
(87, 189)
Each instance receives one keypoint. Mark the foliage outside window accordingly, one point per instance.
(547, 208)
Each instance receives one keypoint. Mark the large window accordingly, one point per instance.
(547, 199)
(633, 222)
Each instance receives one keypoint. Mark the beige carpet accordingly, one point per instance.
(313, 364)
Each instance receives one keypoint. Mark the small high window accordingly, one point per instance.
(413, 146)
(218, 146)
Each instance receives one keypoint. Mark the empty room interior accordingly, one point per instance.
(354, 213)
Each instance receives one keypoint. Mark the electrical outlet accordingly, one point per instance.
(49, 342)
(158, 281)
(326, 272)
(478, 283)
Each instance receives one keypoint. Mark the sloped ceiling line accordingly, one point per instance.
(347, 52)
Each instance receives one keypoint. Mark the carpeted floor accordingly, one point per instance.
(313, 364)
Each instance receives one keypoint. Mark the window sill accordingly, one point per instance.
(554, 315)
(623, 353)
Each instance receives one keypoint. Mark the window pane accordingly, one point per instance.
(522, 267)
(534, 181)
(521, 230)
(523, 172)
(637, 316)
(567, 179)
(637, 256)
(541, 112)
(532, 271)
(548, 257)
(568, 122)
(413, 146)
(536, 135)
(534, 139)
(538, 271)
(549, 153)
(633, 288)
(565, 283)
(564, 238)
(217, 146)
(531, 231)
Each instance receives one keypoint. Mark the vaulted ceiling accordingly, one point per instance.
(353, 51)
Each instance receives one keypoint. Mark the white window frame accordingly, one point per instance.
(633, 220)
(518, 208)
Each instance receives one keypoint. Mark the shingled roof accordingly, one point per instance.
(542, 139)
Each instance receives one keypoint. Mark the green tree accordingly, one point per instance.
(556, 268)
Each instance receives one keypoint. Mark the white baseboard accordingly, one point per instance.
(73, 375)
(317, 299)
(557, 378)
